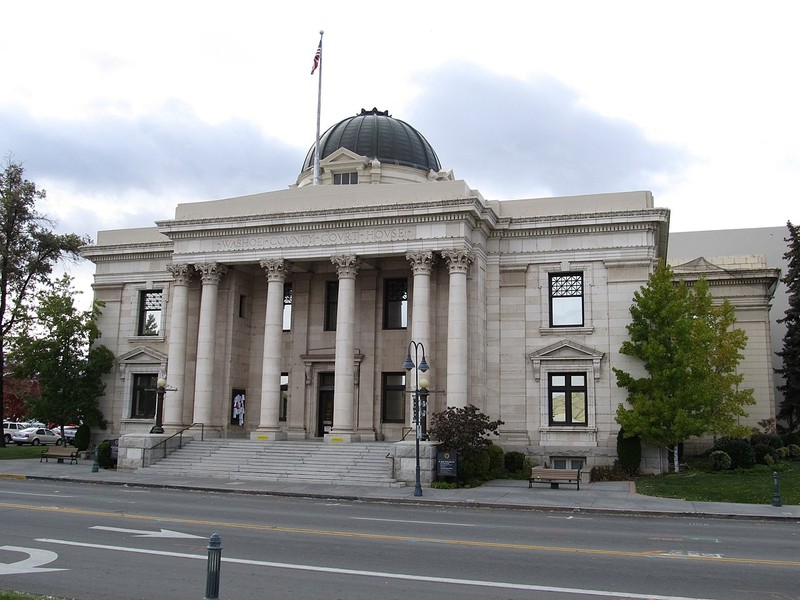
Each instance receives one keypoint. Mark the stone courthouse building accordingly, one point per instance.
(288, 315)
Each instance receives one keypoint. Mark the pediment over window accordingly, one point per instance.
(142, 356)
(565, 353)
(344, 158)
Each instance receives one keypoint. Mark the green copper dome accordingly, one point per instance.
(376, 134)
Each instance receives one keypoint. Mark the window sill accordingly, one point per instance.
(146, 338)
(566, 330)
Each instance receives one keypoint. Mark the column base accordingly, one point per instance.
(345, 437)
(267, 435)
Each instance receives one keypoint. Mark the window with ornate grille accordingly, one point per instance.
(150, 302)
(566, 299)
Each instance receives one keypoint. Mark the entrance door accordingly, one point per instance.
(325, 404)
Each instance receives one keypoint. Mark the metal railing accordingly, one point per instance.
(169, 445)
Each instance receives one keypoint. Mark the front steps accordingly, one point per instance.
(298, 462)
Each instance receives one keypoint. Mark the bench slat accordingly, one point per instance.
(554, 476)
(60, 454)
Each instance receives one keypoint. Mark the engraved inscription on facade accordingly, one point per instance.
(322, 238)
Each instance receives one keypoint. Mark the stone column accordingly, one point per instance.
(344, 391)
(178, 330)
(268, 424)
(206, 343)
(421, 266)
(457, 340)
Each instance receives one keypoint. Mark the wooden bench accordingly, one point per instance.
(59, 453)
(554, 477)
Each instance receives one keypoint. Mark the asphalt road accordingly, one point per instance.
(100, 542)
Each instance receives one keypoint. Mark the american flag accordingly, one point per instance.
(317, 57)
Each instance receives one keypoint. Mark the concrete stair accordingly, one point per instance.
(299, 462)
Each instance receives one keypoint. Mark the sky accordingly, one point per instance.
(121, 110)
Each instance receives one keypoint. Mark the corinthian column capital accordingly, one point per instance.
(180, 272)
(276, 269)
(421, 262)
(211, 272)
(346, 266)
(457, 260)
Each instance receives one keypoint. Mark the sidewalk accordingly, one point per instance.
(606, 497)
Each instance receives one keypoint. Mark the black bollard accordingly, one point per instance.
(776, 492)
(214, 563)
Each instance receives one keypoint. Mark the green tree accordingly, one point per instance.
(58, 348)
(789, 411)
(690, 350)
(28, 251)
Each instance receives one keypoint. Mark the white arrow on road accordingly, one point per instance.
(32, 564)
(164, 533)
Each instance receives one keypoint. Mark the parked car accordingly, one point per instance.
(69, 432)
(35, 436)
(12, 427)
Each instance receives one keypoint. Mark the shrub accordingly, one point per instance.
(791, 438)
(515, 461)
(613, 472)
(82, 437)
(719, 461)
(473, 466)
(770, 440)
(496, 460)
(104, 455)
(629, 451)
(794, 450)
(740, 451)
(463, 429)
(444, 485)
(768, 460)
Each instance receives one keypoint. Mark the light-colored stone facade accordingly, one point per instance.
(478, 297)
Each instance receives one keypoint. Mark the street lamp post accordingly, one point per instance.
(418, 365)
(161, 386)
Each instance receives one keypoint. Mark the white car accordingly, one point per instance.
(35, 436)
(12, 427)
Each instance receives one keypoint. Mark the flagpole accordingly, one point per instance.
(319, 111)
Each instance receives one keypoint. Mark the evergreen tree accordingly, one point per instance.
(58, 349)
(690, 351)
(789, 411)
(28, 251)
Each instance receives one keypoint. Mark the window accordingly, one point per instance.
(331, 304)
(242, 306)
(562, 462)
(284, 397)
(394, 398)
(345, 178)
(150, 312)
(566, 300)
(395, 303)
(287, 306)
(143, 404)
(567, 398)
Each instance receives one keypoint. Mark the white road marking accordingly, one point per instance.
(381, 574)
(33, 564)
(164, 533)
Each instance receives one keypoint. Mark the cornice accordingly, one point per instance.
(464, 209)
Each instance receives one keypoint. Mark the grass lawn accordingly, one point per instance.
(751, 486)
(13, 452)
